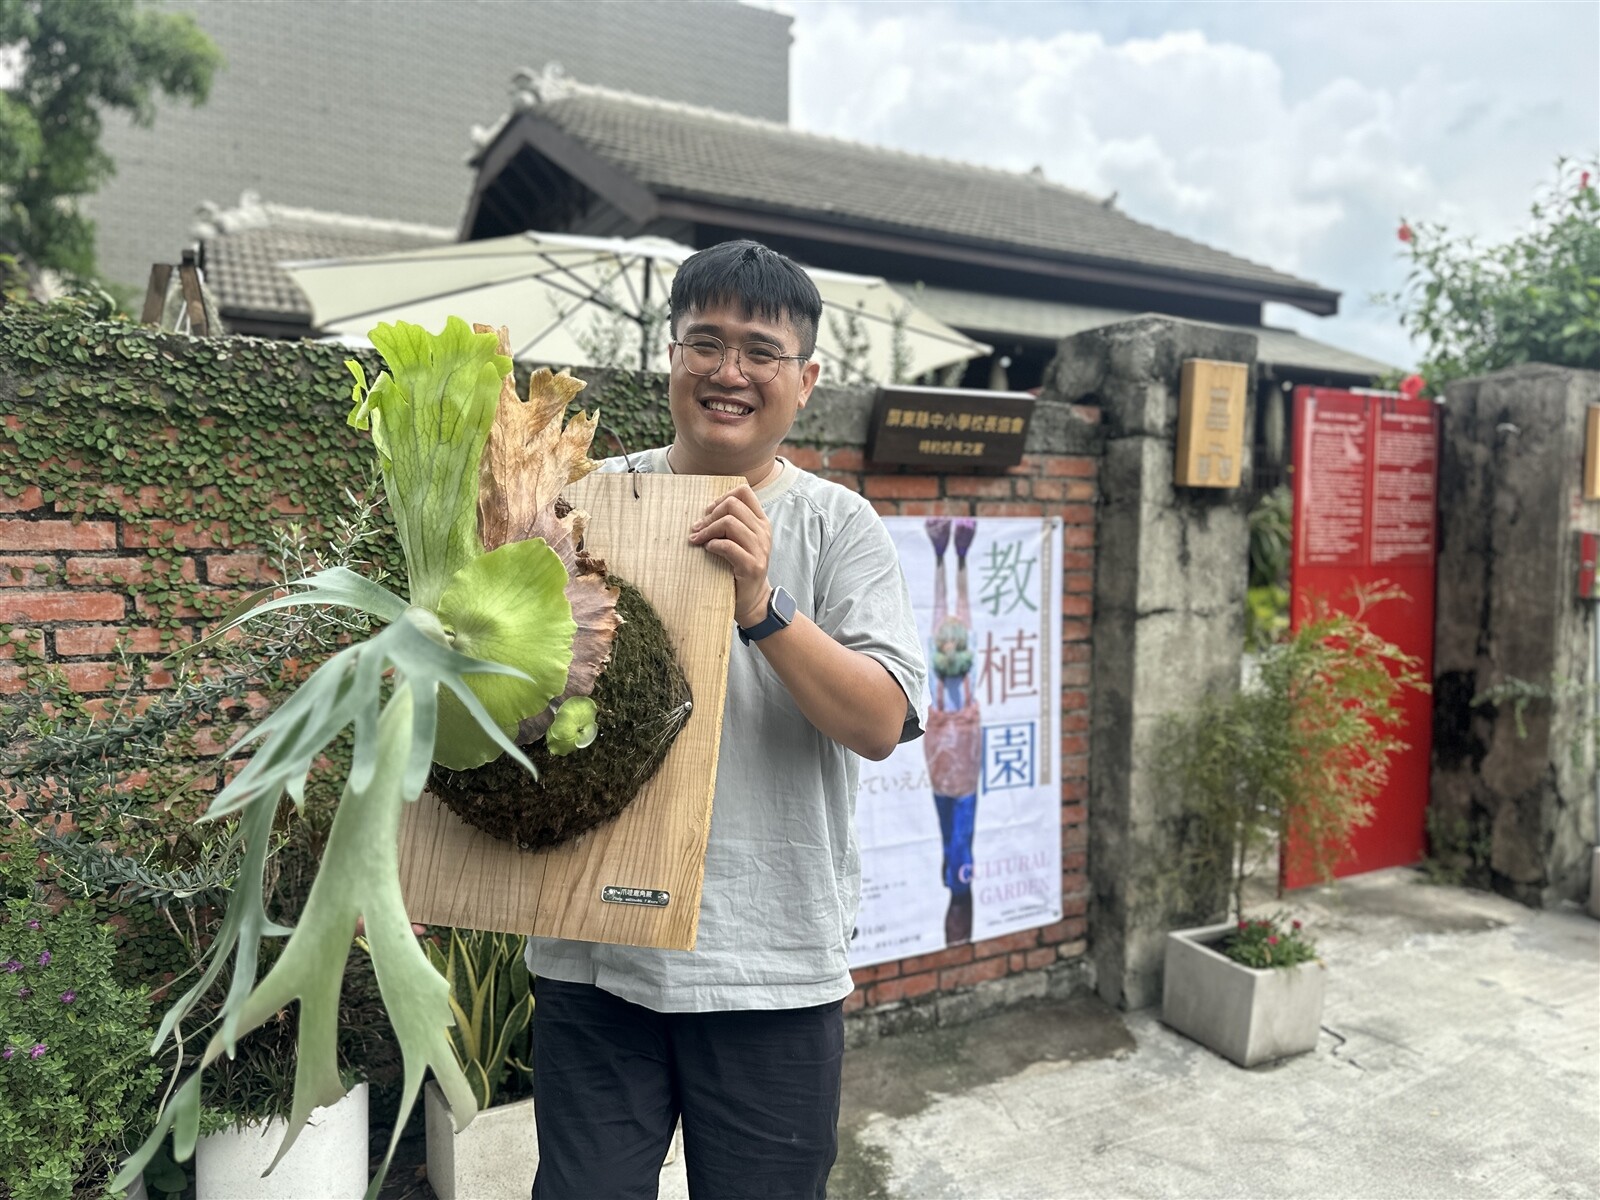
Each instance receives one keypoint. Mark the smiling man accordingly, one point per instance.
(744, 1036)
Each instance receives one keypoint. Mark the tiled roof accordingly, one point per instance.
(997, 317)
(243, 247)
(680, 150)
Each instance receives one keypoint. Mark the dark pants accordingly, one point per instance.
(758, 1093)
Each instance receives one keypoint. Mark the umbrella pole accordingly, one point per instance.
(644, 324)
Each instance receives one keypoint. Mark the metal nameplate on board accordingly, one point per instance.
(653, 897)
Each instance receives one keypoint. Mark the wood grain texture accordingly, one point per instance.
(454, 874)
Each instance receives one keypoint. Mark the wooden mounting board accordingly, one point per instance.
(454, 874)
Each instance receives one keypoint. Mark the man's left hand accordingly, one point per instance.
(737, 531)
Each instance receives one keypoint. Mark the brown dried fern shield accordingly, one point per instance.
(643, 701)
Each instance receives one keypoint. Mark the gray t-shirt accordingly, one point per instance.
(783, 874)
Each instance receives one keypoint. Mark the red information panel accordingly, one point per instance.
(1365, 513)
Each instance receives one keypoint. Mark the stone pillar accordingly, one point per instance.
(1514, 813)
(1172, 570)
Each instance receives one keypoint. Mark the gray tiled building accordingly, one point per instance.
(367, 106)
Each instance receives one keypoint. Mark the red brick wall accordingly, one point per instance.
(69, 590)
(60, 591)
(1059, 485)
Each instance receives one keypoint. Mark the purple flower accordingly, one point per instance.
(24, 992)
(34, 925)
(37, 1051)
(13, 966)
(44, 959)
(68, 996)
(8, 1052)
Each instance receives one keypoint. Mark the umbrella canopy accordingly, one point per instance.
(571, 300)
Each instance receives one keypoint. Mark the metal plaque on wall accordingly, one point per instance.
(948, 428)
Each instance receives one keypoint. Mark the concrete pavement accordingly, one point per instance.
(1460, 1057)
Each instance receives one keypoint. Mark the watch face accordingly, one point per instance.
(783, 605)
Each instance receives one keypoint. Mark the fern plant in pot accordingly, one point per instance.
(1289, 764)
(495, 653)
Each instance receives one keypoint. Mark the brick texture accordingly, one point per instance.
(74, 588)
(1062, 486)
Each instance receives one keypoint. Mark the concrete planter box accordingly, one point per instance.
(494, 1158)
(1247, 1015)
(327, 1162)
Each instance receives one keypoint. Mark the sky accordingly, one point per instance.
(1294, 134)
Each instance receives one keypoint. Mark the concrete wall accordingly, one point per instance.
(1514, 813)
(1170, 581)
(366, 107)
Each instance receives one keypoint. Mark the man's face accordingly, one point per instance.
(725, 424)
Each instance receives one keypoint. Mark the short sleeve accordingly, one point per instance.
(863, 603)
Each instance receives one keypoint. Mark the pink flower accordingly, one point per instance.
(1272, 940)
(68, 996)
(34, 925)
(37, 1051)
(1411, 386)
(1405, 234)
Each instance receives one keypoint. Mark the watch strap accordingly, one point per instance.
(778, 603)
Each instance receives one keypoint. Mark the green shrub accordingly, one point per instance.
(74, 1054)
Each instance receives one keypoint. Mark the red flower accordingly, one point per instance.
(1272, 941)
(1583, 182)
(1405, 234)
(1411, 386)
(1243, 924)
(1295, 924)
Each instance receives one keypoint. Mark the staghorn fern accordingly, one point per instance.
(482, 645)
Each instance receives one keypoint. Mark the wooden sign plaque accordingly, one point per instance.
(948, 428)
(635, 880)
(1211, 403)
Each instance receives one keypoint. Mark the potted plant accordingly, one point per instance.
(74, 1068)
(132, 855)
(1290, 763)
(497, 1155)
(496, 644)
(246, 1101)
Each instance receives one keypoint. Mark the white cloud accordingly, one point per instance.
(1296, 140)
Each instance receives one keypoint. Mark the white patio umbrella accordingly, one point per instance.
(568, 300)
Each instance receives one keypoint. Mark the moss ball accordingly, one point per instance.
(643, 702)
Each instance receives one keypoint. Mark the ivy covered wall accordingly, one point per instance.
(143, 478)
(141, 474)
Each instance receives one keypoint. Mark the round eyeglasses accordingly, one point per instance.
(759, 362)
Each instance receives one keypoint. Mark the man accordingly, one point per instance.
(744, 1036)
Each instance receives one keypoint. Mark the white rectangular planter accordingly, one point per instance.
(1250, 1016)
(494, 1158)
(328, 1161)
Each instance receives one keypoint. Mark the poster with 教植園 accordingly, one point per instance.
(960, 830)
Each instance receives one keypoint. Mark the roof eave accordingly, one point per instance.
(598, 174)
(642, 204)
(867, 234)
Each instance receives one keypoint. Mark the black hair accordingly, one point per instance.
(762, 282)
